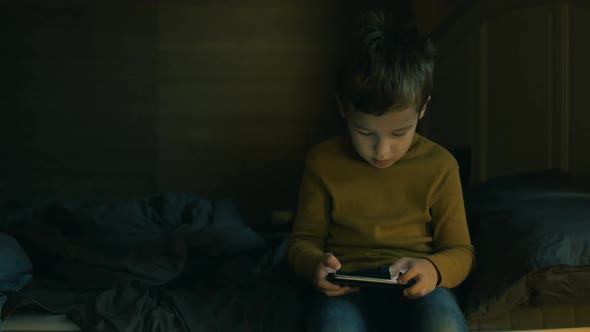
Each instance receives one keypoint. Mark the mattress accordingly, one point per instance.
(36, 320)
(539, 317)
(546, 319)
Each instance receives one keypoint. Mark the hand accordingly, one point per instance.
(423, 272)
(328, 264)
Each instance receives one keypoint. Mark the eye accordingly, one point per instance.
(364, 133)
(399, 134)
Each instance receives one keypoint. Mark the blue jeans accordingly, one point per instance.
(378, 309)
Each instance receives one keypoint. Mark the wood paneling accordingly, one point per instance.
(82, 116)
(528, 92)
(520, 91)
(244, 90)
(224, 98)
(455, 94)
(579, 121)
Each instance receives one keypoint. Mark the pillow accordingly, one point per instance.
(15, 266)
(482, 196)
(518, 234)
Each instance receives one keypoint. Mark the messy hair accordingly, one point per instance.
(390, 67)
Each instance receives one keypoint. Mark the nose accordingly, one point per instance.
(382, 148)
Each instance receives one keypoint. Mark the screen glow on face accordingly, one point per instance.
(381, 140)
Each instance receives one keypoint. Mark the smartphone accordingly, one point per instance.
(360, 280)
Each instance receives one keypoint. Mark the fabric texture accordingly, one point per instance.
(164, 262)
(179, 262)
(386, 310)
(561, 317)
(15, 267)
(370, 217)
(527, 232)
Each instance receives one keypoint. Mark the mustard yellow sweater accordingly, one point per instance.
(368, 217)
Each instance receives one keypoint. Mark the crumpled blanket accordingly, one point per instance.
(164, 262)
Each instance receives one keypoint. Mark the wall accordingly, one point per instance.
(223, 98)
(116, 98)
(514, 76)
(80, 99)
(244, 89)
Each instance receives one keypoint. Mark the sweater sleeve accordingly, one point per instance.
(454, 255)
(307, 241)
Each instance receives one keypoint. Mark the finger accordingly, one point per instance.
(331, 261)
(415, 292)
(343, 290)
(325, 284)
(401, 265)
(411, 273)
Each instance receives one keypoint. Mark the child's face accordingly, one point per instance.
(383, 140)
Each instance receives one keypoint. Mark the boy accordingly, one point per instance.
(383, 196)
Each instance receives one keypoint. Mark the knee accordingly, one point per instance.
(441, 313)
(442, 323)
(336, 315)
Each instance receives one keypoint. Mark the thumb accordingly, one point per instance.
(331, 261)
(401, 265)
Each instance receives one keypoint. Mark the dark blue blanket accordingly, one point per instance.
(164, 262)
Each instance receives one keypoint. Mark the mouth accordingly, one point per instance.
(382, 162)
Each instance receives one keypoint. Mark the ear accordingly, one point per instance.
(340, 106)
(423, 110)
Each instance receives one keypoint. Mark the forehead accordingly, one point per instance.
(389, 121)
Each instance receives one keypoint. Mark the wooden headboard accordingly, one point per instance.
(511, 82)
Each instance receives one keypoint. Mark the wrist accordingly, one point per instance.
(436, 271)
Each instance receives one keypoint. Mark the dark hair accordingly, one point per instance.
(390, 66)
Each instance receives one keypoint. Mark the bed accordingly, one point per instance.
(181, 262)
(531, 234)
